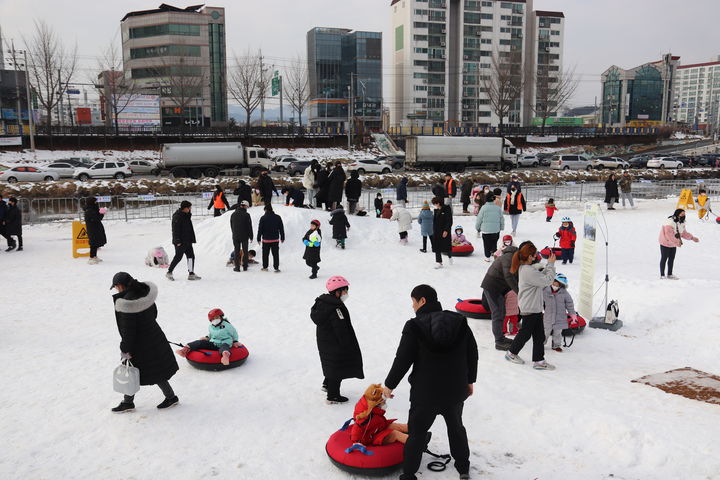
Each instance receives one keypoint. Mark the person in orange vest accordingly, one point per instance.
(450, 189)
(514, 206)
(218, 201)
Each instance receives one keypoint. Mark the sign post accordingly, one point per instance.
(587, 272)
(80, 240)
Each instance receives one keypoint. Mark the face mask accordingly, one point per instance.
(507, 244)
(512, 189)
(216, 321)
(555, 288)
(344, 298)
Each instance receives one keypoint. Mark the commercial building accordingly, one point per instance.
(443, 53)
(640, 96)
(180, 54)
(696, 99)
(344, 65)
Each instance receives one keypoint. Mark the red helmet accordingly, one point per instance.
(315, 222)
(336, 282)
(215, 312)
(506, 238)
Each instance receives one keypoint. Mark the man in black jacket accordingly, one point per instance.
(441, 349)
(442, 226)
(271, 233)
(244, 192)
(3, 212)
(497, 282)
(241, 225)
(13, 226)
(353, 190)
(294, 196)
(183, 237)
(266, 187)
(337, 184)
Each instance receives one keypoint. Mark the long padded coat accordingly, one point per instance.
(338, 346)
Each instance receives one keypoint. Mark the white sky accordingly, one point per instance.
(598, 33)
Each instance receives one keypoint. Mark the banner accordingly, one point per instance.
(587, 272)
(539, 139)
(6, 141)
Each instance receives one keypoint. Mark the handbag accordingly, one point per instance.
(126, 378)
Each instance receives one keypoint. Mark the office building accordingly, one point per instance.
(339, 59)
(179, 53)
(696, 99)
(640, 96)
(444, 49)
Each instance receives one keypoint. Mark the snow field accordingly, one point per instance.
(268, 419)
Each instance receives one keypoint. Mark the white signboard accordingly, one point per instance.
(146, 198)
(8, 141)
(139, 110)
(104, 199)
(207, 195)
(543, 139)
(587, 272)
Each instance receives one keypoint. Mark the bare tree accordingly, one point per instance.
(248, 84)
(552, 92)
(297, 86)
(51, 68)
(182, 83)
(504, 84)
(116, 90)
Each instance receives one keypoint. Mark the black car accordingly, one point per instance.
(544, 159)
(640, 161)
(77, 162)
(397, 161)
(298, 167)
(686, 161)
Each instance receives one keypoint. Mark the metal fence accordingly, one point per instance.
(133, 207)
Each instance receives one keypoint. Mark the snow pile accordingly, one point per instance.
(267, 419)
(324, 154)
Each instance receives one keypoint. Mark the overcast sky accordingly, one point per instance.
(598, 33)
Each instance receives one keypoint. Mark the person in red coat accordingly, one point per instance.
(370, 427)
(567, 237)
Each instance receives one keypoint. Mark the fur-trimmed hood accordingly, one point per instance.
(136, 304)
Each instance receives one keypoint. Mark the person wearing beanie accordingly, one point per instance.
(370, 427)
(270, 234)
(490, 222)
(183, 237)
(94, 228)
(338, 346)
(532, 279)
(142, 341)
(671, 238)
(221, 337)
(242, 235)
(353, 190)
(440, 348)
(312, 240)
(218, 201)
(425, 219)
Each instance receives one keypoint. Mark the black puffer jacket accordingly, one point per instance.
(241, 225)
(141, 336)
(323, 185)
(338, 346)
(13, 221)
(353, 187)
(441, 349)
(266, 187)
(466, 190)
(337, 183)
(442, 222)
(94, 226)
(182, 228)
(498, 278)
(244, 192)
(340, 223)
(611, 190)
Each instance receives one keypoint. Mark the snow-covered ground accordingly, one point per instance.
(267, 419)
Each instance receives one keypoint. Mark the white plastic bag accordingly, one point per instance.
(126, 379)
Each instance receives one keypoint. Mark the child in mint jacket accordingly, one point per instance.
(221, 337)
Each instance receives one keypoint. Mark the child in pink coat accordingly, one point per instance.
(670, 238)
(512, 310)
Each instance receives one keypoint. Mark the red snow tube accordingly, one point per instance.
(545, 252)
(473, 308)
(377, 461)
(210, 359)
(572, 330)
(462, 250)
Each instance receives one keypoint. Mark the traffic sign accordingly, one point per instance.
(275, 84)
(72, 91)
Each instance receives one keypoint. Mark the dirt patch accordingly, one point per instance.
(687, 382)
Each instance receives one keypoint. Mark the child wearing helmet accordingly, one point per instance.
(567, 237)
(221, 336)
(157, 257)
(337, 343)
(550, 209)
(312, 241)
(558, 305)
(458, 237)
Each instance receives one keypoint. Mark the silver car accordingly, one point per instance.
(144, 167)
(570, 162)
(63, 169)
(27, 173)
(528, 161)
(610, 162)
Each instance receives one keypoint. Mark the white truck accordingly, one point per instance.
(443, 154)
(210, 159)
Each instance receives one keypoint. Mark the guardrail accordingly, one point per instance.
(522, 131)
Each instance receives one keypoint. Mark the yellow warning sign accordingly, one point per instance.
(80, 240)
(686, 200)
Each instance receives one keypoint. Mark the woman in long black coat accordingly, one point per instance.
(12, 225)
(337, 184)
(442, 229)
(611, 191)
(323, 187)
(142, 340)
(338, 346)
(94, 227)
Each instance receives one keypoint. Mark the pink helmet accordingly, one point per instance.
(159, 253)
(336, 282)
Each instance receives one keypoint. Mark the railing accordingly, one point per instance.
(210, 132)
(522, 131)
(134, 207)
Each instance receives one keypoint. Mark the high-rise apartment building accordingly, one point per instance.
(180, 53)
(444, 49)
(696, 94)
(339, 58)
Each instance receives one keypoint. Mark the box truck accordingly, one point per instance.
(210, 159)
(455, 154)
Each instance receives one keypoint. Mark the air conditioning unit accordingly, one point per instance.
(442, 43)
(547, 49)
(465, 57)
(442, 30)
(478, 33)
(519, 35)
(425, 82)
(442, 55)
(465, 82)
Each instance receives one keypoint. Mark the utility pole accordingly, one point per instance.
(61, 112)
(263, 87)
(17, 89)
(281, 100)
(351, 108)
(29, 104)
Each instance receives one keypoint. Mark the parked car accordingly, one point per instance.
(282, 163)
(545, 158)
(528, 161)
(708, 159)
(117, 170)
(298, 167)
(370, 166)
(397, 161)
(664, 162)
(27, 173)
(78, 161)
(144, 167)
(609, 162)
(570, 162)
(686, 161)
(640, 161)
(63, 169)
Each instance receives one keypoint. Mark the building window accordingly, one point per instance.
(165, 29)
(172, 71)
(399, 37)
